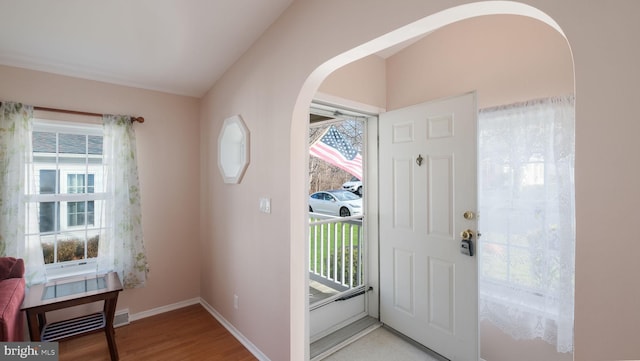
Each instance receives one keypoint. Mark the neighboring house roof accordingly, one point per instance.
(45, 142)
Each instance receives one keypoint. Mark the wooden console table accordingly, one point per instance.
(69, 292)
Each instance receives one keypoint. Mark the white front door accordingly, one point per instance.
(428, 288)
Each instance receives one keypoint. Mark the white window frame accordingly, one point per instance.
(75, 267)
(83, 197)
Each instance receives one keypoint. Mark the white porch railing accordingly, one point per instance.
(335, 251)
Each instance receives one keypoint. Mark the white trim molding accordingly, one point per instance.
(163, 309)
(336, 101)
(234, 331)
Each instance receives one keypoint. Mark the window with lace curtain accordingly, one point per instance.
(65, 192)
(74, 183)
(526, 204)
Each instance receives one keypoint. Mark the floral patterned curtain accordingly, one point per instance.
(526, 201)
(121, 248)
(15, 158)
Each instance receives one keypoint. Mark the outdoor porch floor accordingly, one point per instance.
(318, 292)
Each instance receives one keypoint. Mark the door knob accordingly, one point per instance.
(466, 244)
(468, 234)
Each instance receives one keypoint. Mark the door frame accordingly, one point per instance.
(370, 194)
(348, 304)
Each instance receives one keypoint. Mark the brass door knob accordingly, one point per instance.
(468, 234)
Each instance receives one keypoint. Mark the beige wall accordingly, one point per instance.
(506, 59)
(363, 81)
(271, 86)
(168, 161)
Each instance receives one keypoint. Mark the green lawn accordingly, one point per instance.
(323, 243)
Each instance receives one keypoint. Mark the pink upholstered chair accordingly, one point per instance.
(12, 287)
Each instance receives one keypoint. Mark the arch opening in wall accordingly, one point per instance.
(417, 29)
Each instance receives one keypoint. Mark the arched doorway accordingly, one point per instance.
(422, 27)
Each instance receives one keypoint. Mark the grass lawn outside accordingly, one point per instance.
(327, 240)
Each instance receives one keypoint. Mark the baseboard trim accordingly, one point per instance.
(234, 331)
(163, 309)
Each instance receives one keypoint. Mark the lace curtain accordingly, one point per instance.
(15, 160)
(121, 248)
(526, 203)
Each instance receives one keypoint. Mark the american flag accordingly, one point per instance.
(334, 149)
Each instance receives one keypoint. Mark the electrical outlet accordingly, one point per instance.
(235, 301)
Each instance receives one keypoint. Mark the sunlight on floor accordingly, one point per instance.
(380, 345)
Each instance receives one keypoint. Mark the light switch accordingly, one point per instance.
(265, 205)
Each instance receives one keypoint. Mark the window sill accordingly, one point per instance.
(57, 271)
(512, 295)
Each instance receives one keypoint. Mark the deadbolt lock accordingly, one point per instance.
(468, 215)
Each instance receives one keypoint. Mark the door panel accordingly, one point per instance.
(403, 281)
(427, 167)
(440, 196)
(402, 193)
(441, 297)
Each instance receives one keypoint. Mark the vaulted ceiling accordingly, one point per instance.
(175, 46)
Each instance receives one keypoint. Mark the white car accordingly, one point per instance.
(336, 203)
(354, 185)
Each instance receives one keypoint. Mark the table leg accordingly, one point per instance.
(42, 320)
(109, 312)
(34, 325)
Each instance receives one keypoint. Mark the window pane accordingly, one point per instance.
(520, 267)
(72, 143)
(71, 183)
(90, 213)
(48, 216)
(90, 183)
(95, 144)
(95, 181)
(70, 247)
(75, 214)
(44, 142)
(92, 244)
(494, 261)
(48, 247)
(94, 212)
(75, 183)
(47, 181)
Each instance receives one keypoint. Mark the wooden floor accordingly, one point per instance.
(190, 333)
